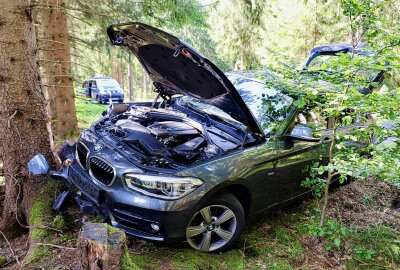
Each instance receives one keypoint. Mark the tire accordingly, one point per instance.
(217, 225)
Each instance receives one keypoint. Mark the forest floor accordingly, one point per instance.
(364, 217)
(362, 232)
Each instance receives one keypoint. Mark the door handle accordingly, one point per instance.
(271, 173)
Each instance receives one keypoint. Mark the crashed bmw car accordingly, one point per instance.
(210, 151)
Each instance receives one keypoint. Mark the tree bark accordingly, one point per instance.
(24, 127)
(100, 247)
(56, 66)
(130, 70)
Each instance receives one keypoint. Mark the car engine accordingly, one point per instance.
(164, 137)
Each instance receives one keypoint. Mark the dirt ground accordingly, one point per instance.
(366, 202)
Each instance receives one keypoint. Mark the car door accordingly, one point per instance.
(296, 153)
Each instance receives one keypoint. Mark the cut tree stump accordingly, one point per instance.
(100, 246)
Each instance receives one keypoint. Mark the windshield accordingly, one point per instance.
(269, 106)
(326, 62)
(108, 84)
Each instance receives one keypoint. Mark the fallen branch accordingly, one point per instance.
(55, 246)
(9, 245)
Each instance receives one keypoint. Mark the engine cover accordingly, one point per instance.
(171, 128)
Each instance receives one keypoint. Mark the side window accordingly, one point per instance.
(313, 118)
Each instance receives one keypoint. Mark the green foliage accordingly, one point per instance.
(37, 254)
(332, 231)
(2, 260)
(377, 245)
(361, 253)
(59, 223)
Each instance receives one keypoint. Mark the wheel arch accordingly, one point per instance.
(240, 191)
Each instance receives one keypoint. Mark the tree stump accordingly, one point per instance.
(100, 247)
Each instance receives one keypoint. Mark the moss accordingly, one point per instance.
(59, 223)
(94, 219)
(2, 260)
(111, 229)
(38, 253)
(127, 263)
(41, 212)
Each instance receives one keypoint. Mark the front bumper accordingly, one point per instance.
(114, 97)
(135, 213)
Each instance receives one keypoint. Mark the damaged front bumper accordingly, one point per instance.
(137, 214)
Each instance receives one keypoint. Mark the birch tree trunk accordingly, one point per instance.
(24, 129)
(57, 77)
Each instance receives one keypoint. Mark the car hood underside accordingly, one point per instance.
(176, 68)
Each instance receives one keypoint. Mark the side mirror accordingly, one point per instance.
(303, 133)
(38, 165)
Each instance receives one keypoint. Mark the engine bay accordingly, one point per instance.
(168, 137)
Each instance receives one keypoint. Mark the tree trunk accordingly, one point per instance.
(130, 70)
(24, 129)
(56, 67)
(121, 74)
(100, 247)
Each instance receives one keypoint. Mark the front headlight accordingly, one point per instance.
(166, 187)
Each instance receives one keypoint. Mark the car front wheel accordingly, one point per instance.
(217, 225)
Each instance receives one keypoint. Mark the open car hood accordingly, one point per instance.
(176, 68)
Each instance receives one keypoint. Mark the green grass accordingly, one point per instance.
(382, 242)
(87, 112)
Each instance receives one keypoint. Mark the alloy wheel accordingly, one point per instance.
(211, 228)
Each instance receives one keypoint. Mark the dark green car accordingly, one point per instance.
(212, 150)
